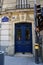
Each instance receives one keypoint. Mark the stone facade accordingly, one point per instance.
(7, 28)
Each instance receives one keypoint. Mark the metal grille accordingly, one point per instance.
(24, 4)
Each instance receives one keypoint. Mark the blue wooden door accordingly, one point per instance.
(23, 37)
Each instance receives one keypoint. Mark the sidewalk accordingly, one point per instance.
(20, 61)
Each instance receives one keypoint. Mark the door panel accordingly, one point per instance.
(23, 37)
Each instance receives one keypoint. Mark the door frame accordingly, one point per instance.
(33, 36)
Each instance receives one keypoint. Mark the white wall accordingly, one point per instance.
(9, 4)
(6, 39)
(5, 34)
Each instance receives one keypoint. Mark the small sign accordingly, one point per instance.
(13, 18)
(5, 19)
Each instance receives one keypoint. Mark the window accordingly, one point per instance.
(18, 31)
(27, 34)
(22, 3)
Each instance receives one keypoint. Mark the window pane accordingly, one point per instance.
(23, 3)
(18, 34)
(27, 34)
(20, 3)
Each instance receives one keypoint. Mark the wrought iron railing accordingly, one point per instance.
(23, 6)
(14, 6)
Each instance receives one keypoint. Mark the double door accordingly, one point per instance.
(23, 37)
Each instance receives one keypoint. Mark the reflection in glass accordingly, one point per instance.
(27, 34)
(18, 34)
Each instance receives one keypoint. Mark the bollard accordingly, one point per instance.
(1, 58)
(37, 54)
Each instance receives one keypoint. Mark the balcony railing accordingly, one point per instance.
(30, 4)
(23, 6)
(14, 6)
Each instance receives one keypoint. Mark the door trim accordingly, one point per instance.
(33, 36)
